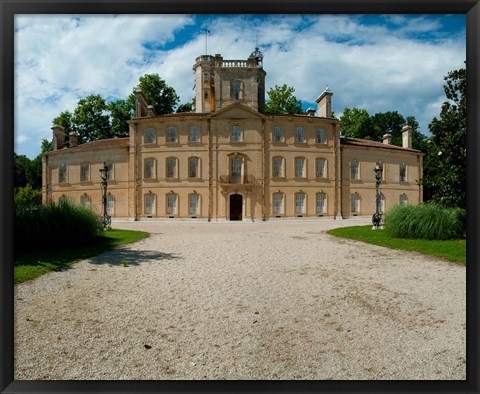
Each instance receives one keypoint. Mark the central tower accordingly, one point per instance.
(220, 82)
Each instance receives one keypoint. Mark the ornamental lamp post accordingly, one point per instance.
(106, 220)
(377, 216)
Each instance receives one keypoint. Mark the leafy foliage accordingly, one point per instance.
(90, 119)
(426, 221)
(94, 118)
(187, 107)
(27, 196)
(445, 176)
(158, 93)
(26, 171)
(358, 123)
(282, 100)
(54, 225)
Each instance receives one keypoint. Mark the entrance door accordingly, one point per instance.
(236, 203)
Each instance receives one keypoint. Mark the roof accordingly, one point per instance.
(107, 143)
(348, 141)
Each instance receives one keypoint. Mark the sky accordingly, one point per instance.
(376, 62)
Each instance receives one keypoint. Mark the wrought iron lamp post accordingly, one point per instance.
(377, 216)
(106, 220)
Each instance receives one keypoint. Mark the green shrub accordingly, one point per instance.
(27, 196)
(60, 225)
(426, 221)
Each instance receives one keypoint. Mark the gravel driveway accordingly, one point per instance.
(267, 300)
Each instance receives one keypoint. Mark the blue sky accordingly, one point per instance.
(376, 62)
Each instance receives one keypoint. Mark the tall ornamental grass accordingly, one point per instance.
(426, 221)
(54, 225)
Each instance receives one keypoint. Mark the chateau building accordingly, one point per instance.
(230, 160)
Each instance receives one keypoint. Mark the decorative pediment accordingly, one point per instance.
(236, 111)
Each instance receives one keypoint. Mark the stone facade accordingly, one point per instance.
(230, 161)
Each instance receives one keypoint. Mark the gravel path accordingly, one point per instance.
(267, 300)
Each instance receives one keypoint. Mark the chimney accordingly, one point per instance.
(387, 139)
(310, 112)
(141, 105)
(73, 139)
(58, 137)
(325, 104)
(151, 111)
(407, 136)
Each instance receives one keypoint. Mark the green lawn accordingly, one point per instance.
(32, 264)
(453, 250)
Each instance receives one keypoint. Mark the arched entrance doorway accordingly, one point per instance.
(236, 204)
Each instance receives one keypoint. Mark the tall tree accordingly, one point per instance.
(445, 180)
(91, 120)
(162, 96)
(187, 107)
(388, 122)
(120, 113)
(65, 119)
(282, 100)
(357, 123)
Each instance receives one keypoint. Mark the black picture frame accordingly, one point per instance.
(8, 9)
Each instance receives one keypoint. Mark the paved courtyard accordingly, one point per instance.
(266, 300)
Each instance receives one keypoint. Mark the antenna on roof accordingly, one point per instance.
(207, 32)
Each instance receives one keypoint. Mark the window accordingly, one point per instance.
(111, 168)
(150, 203)
(110, 204)
(277, 133)
(149, 168)
(320, 138)
(299, 134)
(403, 172)
(63, 199)
(193, 204)
(194, 134)
(171, 167)
(278, 203)
(277, 167)
(236, 134)
(84, 172)
(321, 198)
(85, 200)
(193, 170)
(171, 204)
(171, 134)
(320, 168)
(236, 90)
(355, 203)
(354, 170)
(62, 173)
(381, 205)
(299, 203)
(149, 135)
(403, 199)
(236, 164)
(299, 167)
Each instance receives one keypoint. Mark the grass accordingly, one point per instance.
(452, 250)
(32, 264)
(426, 221)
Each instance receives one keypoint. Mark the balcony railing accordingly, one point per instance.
(237, 179)
(236, 63)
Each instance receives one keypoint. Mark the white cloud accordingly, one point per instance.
(60, 59)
